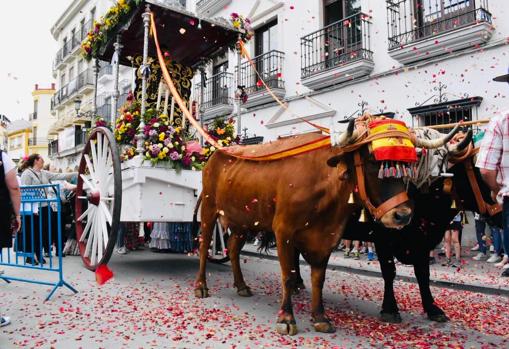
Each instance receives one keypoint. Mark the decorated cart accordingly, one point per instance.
(143, 165)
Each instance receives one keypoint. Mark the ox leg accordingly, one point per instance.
(421, 270)
(390, 311)
(286, 321)
(321, 323)
(299, 282)
(207, 228)
(235, 243)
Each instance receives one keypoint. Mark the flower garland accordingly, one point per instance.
(102, 29)
(127, 124)
(243, 23)
(165, 142)
(223, 131)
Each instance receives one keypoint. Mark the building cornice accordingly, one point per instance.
(43, 92)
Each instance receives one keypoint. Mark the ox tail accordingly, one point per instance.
(267, 240)
(195, 227)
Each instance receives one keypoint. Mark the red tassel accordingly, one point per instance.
(103, 274)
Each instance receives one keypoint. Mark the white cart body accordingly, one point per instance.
(158, 193)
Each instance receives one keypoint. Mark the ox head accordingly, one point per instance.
(382, 191)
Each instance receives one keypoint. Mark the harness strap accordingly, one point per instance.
(386, 206)
(484, 207)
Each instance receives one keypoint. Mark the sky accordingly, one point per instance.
(28, 50)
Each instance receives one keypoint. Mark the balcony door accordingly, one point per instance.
(267, 64)
(220, 84)
(342, 30)
(436, 16)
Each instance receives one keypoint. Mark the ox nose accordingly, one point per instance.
(402, 218)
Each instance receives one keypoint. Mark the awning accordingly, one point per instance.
(178, 32)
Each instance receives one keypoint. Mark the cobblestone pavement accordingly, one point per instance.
(150, 304)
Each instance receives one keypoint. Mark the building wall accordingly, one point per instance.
(391, 86)
(18, 144)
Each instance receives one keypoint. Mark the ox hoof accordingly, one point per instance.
(393, 318)
(201, 292)
(245, 292)
(324, 327)
(286, 329)
(438, 317)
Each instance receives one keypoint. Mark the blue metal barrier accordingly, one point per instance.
(40, 227)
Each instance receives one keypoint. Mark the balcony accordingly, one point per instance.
(39, 141)
(72, 45)
(210, 7)
(440, 27)
(104, 111)
(337, 53)
(82, 84)
(270, 66)
(217, 96)
(106, 72)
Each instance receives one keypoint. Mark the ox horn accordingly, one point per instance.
(436, 143)
(345, 137)
(458, 148)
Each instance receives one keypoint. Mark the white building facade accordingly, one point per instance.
(428, 61)
(73, 101)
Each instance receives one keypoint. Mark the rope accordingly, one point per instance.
(245, 53)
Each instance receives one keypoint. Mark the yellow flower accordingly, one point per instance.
(161, 136)
(161, 155)
(121, 2)
(165, 149)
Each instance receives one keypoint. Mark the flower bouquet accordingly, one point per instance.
(242, 23)
(222, 131)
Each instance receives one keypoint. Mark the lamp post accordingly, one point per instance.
(77, 106)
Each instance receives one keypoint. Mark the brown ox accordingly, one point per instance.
(302, 200)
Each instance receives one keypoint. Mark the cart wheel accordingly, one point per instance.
(218, 252)
(98, 198)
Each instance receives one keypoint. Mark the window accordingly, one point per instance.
(266, 38)
(337, 10)
(74, 39)
(62, 79)
(71, 73)
(36, 107)
(343, 38)
(80, 66)
(447, 112)
(267, 63)
(92, 16)
(83, 30)
(34, 135)
(220, 84)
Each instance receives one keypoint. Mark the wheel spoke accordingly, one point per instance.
(93, 233)
(91, 168)
(106, 212)
(90, 221)
(99, 232)
(89, 209)
(90, 238)
(87, 182)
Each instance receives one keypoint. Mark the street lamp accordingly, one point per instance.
(77, 106)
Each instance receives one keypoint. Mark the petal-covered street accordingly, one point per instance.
(150, 303)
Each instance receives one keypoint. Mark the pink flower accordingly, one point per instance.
(193, 147)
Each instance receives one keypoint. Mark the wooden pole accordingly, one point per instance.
(466, 123)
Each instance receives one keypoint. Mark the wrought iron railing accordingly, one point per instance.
(37, 141)
(104, 111)
(409, 21)
(270, 67)
(338, 43)
(85, 78)
(218, 90)
(107, 69)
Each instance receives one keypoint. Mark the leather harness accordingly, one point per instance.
(386, 206)
(484, 207)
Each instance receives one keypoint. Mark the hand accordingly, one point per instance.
(18, 225)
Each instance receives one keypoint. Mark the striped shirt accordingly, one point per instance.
(494, 153)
